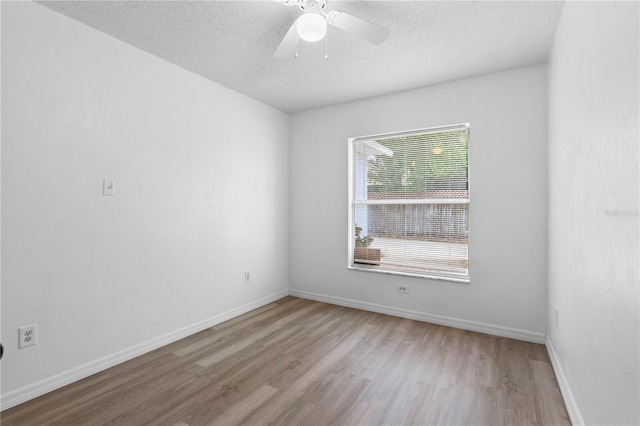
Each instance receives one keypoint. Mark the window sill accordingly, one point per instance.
(377, 269)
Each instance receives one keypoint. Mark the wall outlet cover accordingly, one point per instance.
(402, 289)
(109, 187)
(28, 336)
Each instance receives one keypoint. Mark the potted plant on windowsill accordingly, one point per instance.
(362, 252)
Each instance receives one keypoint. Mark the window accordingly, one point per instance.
(409, 202)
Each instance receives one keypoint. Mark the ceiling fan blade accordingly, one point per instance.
(367, 30)
(288, 43)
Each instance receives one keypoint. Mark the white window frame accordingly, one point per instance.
(351, 203)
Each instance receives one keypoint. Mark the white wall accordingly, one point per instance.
(507, 113)
(593, 171)
(202, 195)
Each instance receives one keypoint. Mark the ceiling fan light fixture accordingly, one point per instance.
(311, 27)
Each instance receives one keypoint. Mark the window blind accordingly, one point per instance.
(410, 202)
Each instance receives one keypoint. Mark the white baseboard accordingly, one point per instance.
(496, 330)
(34, 390)
(567, 395)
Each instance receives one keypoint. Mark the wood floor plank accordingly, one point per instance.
(396, 385)
(294, 415)
(236, 413)
(310, 379)
(334, 398)
(547, 397)
(299, 362)
(267, 313)
(261, 334)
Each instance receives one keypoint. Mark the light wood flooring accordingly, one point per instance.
(299, 362)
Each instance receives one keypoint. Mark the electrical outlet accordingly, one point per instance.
(28, 336)
(402, 289)
(247, 277)
(108, 187)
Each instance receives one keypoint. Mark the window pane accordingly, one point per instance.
(418, 237)
(411, 202)
(421, 166)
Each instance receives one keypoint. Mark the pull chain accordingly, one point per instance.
(297, 41)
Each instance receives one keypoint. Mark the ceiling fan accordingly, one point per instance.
(312, 26)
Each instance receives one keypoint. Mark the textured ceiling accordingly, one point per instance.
(232, 42)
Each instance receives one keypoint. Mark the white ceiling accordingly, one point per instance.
(232, 42)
